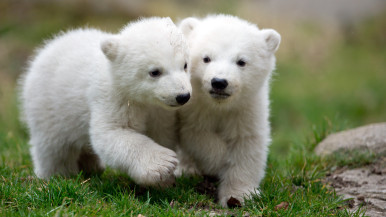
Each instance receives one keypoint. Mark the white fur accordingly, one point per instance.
(228, 137)
(75, 99)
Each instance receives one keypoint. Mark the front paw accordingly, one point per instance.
(155, 168)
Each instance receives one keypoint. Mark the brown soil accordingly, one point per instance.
(363, 187)
(208, 186)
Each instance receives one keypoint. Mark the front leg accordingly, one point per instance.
(123, 148)
(244, 171)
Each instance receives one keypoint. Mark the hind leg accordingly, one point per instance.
(53, 157)
(89, 162)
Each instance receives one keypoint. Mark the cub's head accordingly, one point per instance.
(229, 57)
(149, 63)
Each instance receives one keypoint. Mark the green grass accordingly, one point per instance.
(295, 179)
(346, 87)
(311, 98)
(353, 158)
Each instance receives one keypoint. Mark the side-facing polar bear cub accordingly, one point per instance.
(225, 127)
(92, 98)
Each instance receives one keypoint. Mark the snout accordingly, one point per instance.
(183, 98)
(219, 83)
(219, 87)
(175, 101)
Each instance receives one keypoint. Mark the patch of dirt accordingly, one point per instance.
(363, 187)
(208, 186)
(210, 210)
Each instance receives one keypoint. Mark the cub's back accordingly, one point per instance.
(53, 90)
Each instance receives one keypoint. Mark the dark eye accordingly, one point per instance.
(206, 59)
(241, 63)
(185, 66)
(155, 73)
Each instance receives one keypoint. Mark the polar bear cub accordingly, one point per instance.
(225, 127)
(91, 98)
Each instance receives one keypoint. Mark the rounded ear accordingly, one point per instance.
(169, 21)
(272, 38)
(110, 48)
(188, 24)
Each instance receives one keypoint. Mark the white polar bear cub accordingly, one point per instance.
(225, 127)
(92, 98)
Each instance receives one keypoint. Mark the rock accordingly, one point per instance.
(363, 187)
(370, 137)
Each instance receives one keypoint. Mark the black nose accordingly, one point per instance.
(219, 84)
(183, 98)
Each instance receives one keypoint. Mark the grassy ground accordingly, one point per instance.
(295, 181)
(328, 88)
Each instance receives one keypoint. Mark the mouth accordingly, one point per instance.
(217, 94)
(169, 106)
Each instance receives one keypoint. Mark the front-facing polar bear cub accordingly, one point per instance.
(225, 127)
(75, 101)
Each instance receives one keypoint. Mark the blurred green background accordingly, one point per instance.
(331, 65)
